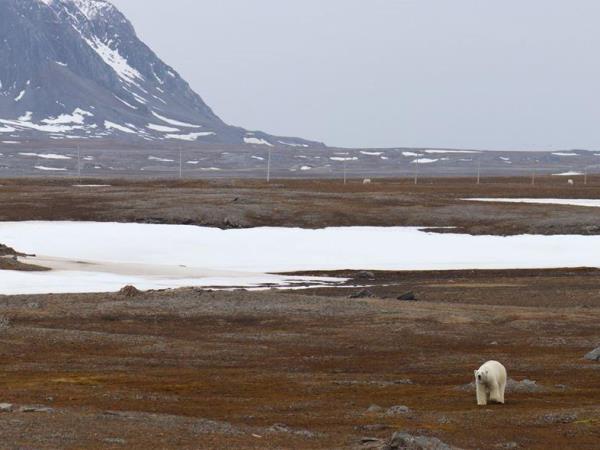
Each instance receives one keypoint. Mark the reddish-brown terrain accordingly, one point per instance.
(306, 369)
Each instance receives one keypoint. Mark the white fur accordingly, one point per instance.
(367, 181)
(490, 380)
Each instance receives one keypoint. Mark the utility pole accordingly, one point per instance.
(180, 164)
(78, 163)
(345, 170)
(417, 170)
(269, 167)
(479, 170)
(533, 176)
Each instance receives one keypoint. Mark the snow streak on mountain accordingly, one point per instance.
(75, 69)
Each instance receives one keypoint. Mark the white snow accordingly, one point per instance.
(257, 141)
(340, 158)
(564, 154)
(571, 173)
(113, 58)
(152, 255)
(291, 144)
(156, 158)
(177, 123)
(77, 117)
(371, 153)
(20, 96)
(424, 161)
(91, 8)
(7, 129)
(190, 136)
(125, 103)
(45, 155)
(411, 154)
(110, 125)
(161, 128)
(260, 158)
(450, 151)
(591, 203)
(305, 168)
(48, 128)
(50, 169)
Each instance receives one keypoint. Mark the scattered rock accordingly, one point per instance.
(368, 440)
(374, 409)
(230, 223)
(511, 386)
(36, 409)
(282, 428)
(4, 323)
(373, 427)
(114, 441)
(558, 418)
(594, 355)
(6, 407)
(364, 275)
(405, 441)
(130, 291)
(408, 297)
(508, 445)
(8, 251)
(398, 410)
(364, 293)
(523, 386)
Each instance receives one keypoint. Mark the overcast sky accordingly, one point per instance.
(495, 74)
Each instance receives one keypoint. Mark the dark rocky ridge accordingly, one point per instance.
(76, 69)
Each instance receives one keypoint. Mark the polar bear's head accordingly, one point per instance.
(481, 376)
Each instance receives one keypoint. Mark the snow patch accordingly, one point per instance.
(111, 125)
(190, 136)
(257, 141)
(177, 123)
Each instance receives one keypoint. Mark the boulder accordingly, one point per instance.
(364, 293)
(6, 407)
(594, 355)
(365, 275)
(130, 291)
(408, 297)
(398, 410)
(405, 441)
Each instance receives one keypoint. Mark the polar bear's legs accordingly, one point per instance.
(495, 393)
(502, 390)
(482, 395)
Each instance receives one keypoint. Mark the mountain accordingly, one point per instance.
(75, 69)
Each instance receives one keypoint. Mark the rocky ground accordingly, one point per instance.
(306, 369)
(9, 260)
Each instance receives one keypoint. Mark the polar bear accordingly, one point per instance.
(490, 380)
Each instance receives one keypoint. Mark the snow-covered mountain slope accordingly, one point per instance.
(75, 69)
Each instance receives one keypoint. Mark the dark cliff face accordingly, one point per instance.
(76, 69)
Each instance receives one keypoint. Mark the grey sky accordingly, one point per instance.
(497, 74)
